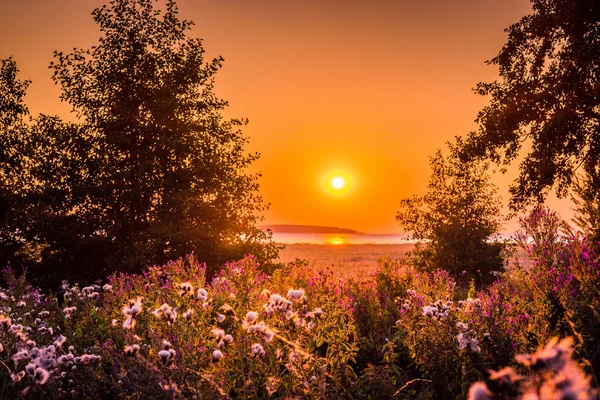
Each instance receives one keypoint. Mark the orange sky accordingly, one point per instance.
(367, 89)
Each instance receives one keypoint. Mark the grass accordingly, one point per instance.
(345, 259)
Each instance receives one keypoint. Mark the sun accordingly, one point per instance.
(338, 182)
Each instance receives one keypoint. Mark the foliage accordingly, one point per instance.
(150, 171)
(547, 100)
(587, 209)
(456, 221)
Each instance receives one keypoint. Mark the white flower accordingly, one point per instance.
(295, 294)
(166, 356)
(60, 340)
(202, 294)
(41, 376)
(479, 391)
(132, 350)
(251, 316)
(257, 350)
(217, 355)
(219, 333)
(133, 307)
(186, 289)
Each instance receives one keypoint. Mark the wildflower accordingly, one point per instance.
(186, 289)
(219, 333)
(188, 314)
(60, 340)
(228, 338)
(5, 322)
(430, 311)
(251, 316)
(217, 355)
(107, 288)
(18, 376)
(132, 350)
(295, 294)
(68, 311)
(317, 312)
(169, 312)
(202, 294)
(479, 391)
(133, 307)
(269, 334)
(220, 317)
(166, 356)
(41, 376)
(257, 350)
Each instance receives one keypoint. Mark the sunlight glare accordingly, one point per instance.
(337, 182)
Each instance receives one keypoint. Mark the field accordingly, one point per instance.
(356, 259)
(345, 259)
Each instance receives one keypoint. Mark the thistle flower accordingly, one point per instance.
(68, 311)
(132, 350)
(5, 321)
(131, 310)
(188, 314)
(257, 350)
(295, 294)
(217, 355)
(202, 294)
(18, 376)
(251, 316)
(186, 289)
(41, 376)
(479, 391)
(167, 311)
(219, 333)
(166, 356)
(60, 340)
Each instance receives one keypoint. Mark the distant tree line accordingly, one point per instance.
(150, 171)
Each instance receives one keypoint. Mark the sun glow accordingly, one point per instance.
(338, 182)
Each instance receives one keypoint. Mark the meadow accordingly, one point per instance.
(305, 333)
(343, 259)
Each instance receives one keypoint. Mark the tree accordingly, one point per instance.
(13, 116)
(456, 222)
(151, 170)
(586, 199)
(547, 101)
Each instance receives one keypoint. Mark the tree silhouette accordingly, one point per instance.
(547, 101)
(456, 222)
(151, 170)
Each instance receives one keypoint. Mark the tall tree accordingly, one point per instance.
(457, 221)
(547, 101)
(152, 170)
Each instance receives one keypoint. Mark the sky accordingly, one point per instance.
(361, 90)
